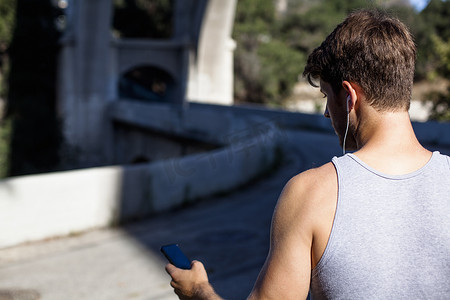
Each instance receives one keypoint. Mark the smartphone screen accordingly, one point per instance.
(176, 257)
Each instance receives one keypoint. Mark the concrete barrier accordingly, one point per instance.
(63, 203)
(49, 205)
(433, 133)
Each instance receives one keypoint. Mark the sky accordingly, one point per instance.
(419, 4)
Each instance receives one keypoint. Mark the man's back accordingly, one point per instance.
(390, 236)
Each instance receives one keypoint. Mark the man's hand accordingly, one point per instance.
(191, 284)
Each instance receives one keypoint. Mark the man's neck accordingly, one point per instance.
(388, 143)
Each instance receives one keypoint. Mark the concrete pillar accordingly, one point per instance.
(211, 72)
(86, 75)
(187, 16)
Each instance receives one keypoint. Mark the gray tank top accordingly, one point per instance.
(391, 234)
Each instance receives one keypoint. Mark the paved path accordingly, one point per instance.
(229, 233)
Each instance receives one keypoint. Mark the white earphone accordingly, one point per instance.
(348, 123)
(348, 101)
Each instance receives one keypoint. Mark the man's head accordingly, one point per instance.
(372, 50)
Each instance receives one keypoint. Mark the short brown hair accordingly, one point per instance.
(373, 50)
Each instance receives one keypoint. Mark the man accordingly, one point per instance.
(374, 224)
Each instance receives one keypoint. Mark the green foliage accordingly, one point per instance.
(267, 74)
(434, 53)
(7, 14)
(304, 32)
(253, 22)
(437, 16)
(143, 18)
(254, 16)
(442, 48)
(31, 107)
(280, 66)
(441, 105)
(272, 48)
(266, 66)
(267, 41)
(5, 131)
(441, 101)
(7, 18)
(434, 20)
(306, 26)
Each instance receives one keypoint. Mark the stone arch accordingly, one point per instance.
(166, 55)
(171, 56)
(146, 83)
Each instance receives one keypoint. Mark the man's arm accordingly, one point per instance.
(287, 270)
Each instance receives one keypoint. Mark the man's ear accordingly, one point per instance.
(351, 90)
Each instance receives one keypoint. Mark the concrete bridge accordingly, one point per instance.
(196, 61)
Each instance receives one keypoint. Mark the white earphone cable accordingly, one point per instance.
(346, 130)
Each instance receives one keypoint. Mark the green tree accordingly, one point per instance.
(31, 106)
(143, 18)
(266, 67)
(281, 67)
(7, 20)
(272, 48)
(441, 100)
(436, 16)
(7, 13)
(434, 53)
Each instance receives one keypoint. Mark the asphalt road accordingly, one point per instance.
(228, 233)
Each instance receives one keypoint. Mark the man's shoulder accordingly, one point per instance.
(315, 178)
(311, 189)
(307, 205)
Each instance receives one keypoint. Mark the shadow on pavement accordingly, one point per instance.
(230, 233)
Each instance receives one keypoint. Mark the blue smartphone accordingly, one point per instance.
(176, 257)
